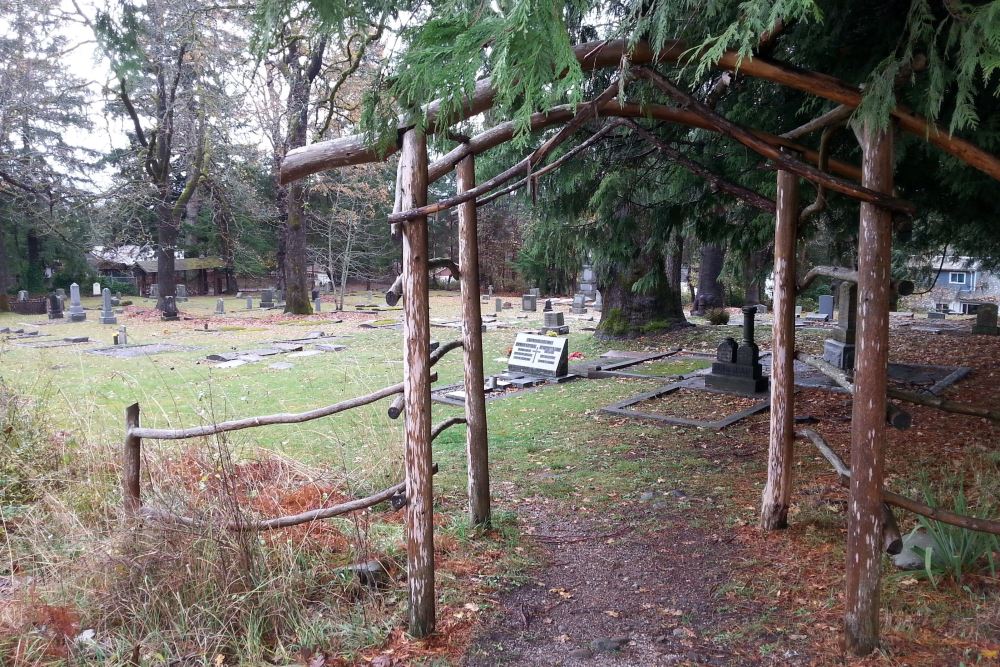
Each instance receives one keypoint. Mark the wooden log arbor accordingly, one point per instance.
(867, 511)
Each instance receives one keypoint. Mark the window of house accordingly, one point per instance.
(970, 308)
(956, 278)
(941, 307)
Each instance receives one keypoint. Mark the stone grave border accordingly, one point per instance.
(621, 407)
(438, 394)
(614, 369)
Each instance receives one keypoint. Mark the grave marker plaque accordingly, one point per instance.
(220, 307)
(826, 305)
(267, 299)
(543, 356)
(170, 313)
(579, 304)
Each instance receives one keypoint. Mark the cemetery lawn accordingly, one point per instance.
(605, 527)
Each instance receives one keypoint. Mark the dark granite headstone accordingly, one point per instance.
(267, 299)
(55, 307)
(986, 320)
(548, 306)
(935, 315)
(737, 369)
(826, 305)
(170, 313)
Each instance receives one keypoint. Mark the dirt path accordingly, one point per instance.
(612, 591)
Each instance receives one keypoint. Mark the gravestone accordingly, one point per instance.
(555, 322)
(826, 305)
(737, 369)
(267, 299)
(935, 315)
(548, 306)
(107, 315)
(316, 305)
(839, 351)
(122, 335)
(55, 307)
(986, 320)
(170, 313)
(220, 307)
(76, 312)
(579, 304)
(22, 295)
(543, 356)
(116, 300)
(154, 291)
(529, 303)
(249, 303)
(61, 293)
(761, 309)
(587, 285)
(96, 287)
(182, 293)
(535, 292)
(599, 302)
(62, 302)
(279, 295)
(499, 306)
(315, 294)
(490, 293)
(798, 311)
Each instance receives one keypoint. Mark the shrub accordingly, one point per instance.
(956, 550)
(717, 316)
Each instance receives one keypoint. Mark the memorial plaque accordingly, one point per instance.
(544, 356)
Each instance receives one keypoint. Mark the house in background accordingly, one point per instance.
(137, 265)
(961, 286)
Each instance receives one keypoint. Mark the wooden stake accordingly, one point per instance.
(476, 436)
(778, 491)
(131, 459)
(417, 388)
(871, 362)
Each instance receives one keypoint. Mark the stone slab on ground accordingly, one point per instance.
(53, 343)
(235, 363)
(289, 347)
(131, 351)
(305, 353)
(281, 366)
(330, 347)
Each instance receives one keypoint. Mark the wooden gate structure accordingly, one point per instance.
(871, 185)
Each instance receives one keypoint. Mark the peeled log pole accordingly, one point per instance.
(132, 461)
(720, 184)
(942, 404)
(778, 491)
(417, 389)
(476, 435)
(835, 272)
(871, 362)
(892, 541)
(783, 161)
(902, 502)
(584, 113)
(602, 54)
(504, 132)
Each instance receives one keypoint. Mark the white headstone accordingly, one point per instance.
(122, 335)
(22, 295)
(316, 305)
(249, 303)
(220, 307)
(97, 289)
(544, 356)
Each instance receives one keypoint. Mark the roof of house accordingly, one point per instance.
(188, 264)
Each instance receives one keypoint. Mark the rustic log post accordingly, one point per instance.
(130, 463)
(868, 418)
(417, 388)
(476, 437)
(778, 491)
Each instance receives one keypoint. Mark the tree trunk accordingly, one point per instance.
(346, 264)
(753, 275)
(710, 290)
(296, 290)
(627, 313)
(778, 491)
(167, 232)
(674, 262)
(871, 360)
(4, 271)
